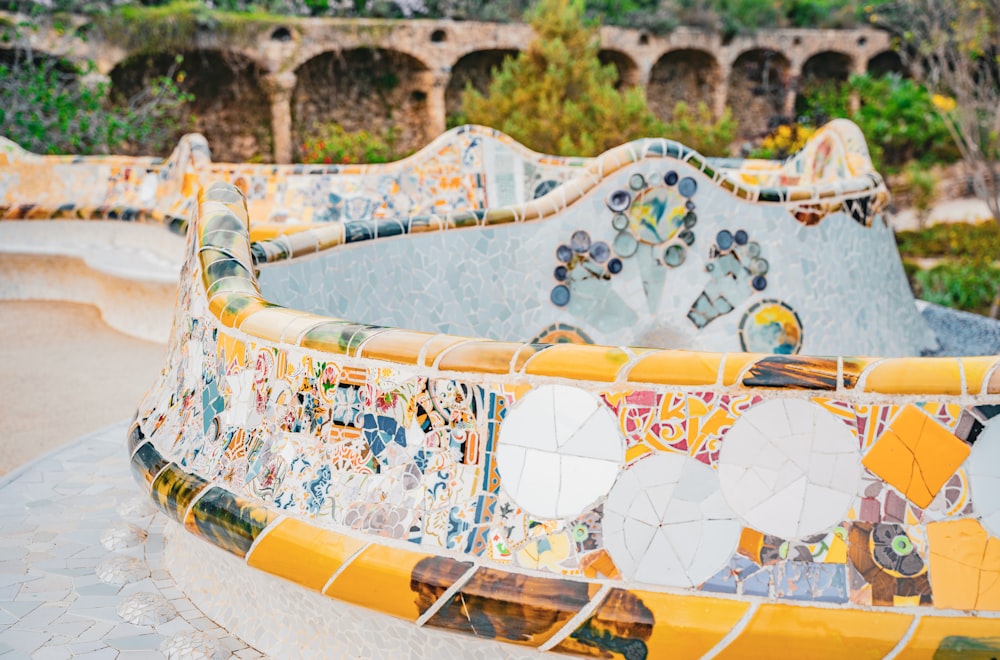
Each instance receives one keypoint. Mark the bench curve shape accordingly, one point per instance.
(605, 501)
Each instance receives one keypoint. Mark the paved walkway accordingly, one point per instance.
(81, 564)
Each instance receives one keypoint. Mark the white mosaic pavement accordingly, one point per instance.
(81, 551)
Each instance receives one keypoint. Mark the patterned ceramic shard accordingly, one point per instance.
(364, 419)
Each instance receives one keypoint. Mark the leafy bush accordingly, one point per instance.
(698, 129)
(896, 115)
(333, 144)
(966, 284)
(46, 108)
(555, 96)
(978, 242)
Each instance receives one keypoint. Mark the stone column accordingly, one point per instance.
(794, 77)
(720, 95)
(437, 84)
(860, 67)
(279, 88)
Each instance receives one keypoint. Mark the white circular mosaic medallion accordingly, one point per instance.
(983, 468)
(789, 468)
(666, 522)
(122, 569)
(145, 608)
(123, 535)
(559, 451)
(192, 646)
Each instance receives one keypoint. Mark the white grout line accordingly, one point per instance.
(574, 622)
(735, 632)
(340, 569)
(446, 596)
(905, 639)
(260, 537)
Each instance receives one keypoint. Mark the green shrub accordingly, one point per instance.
(698, 129)
(331, 143)
(966, 284)
(978, 242)
(46, 108)
(556, 96)
(896, 115)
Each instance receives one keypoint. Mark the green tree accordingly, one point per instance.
(555, 96)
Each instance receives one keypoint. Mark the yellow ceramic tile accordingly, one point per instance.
(953, 638)
(686, 625)
(299, 324)
(230, 350)
(818, 633)
(993, 385)
(269, 323)
(526, 353)
(303, 553)
(521, 609)
(267, 231)
(916, 455)
(915, 376)
(736, 364)
(677, 368)
(578, 361)
(851, 369)
(976, 369)
(383, 579)
(964, 565)
(491, 357)
(438, 345)
(396, 346)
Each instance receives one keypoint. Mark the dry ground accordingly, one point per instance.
(64, 373)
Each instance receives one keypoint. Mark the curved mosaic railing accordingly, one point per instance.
(596, 500)
(470, 167)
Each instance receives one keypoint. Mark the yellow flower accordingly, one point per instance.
(943, 103)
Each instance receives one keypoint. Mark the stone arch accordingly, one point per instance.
(758, 89)
(628, 70)
(887, 62)
(230, 108)
(822, 68)
(687, 75)
(828, 65)
(371, 89)
(475, 68)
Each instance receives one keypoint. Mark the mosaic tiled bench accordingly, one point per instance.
(537, 484)
(470, 167)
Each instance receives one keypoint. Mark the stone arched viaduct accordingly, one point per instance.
(757, 75)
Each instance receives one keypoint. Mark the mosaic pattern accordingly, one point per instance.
(467, 168)
(567, 495)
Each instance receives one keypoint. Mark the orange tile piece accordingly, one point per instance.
(492, 357)
(736, 364)
(677, 368)
(303, 553)
(817, 633)
(438, 345)
(396, 346)
(964, 565)
(976, 369)
(915, 376)
(687, 626)
(578, 361)
(948, 637)
(382, 578)
(916, 455)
